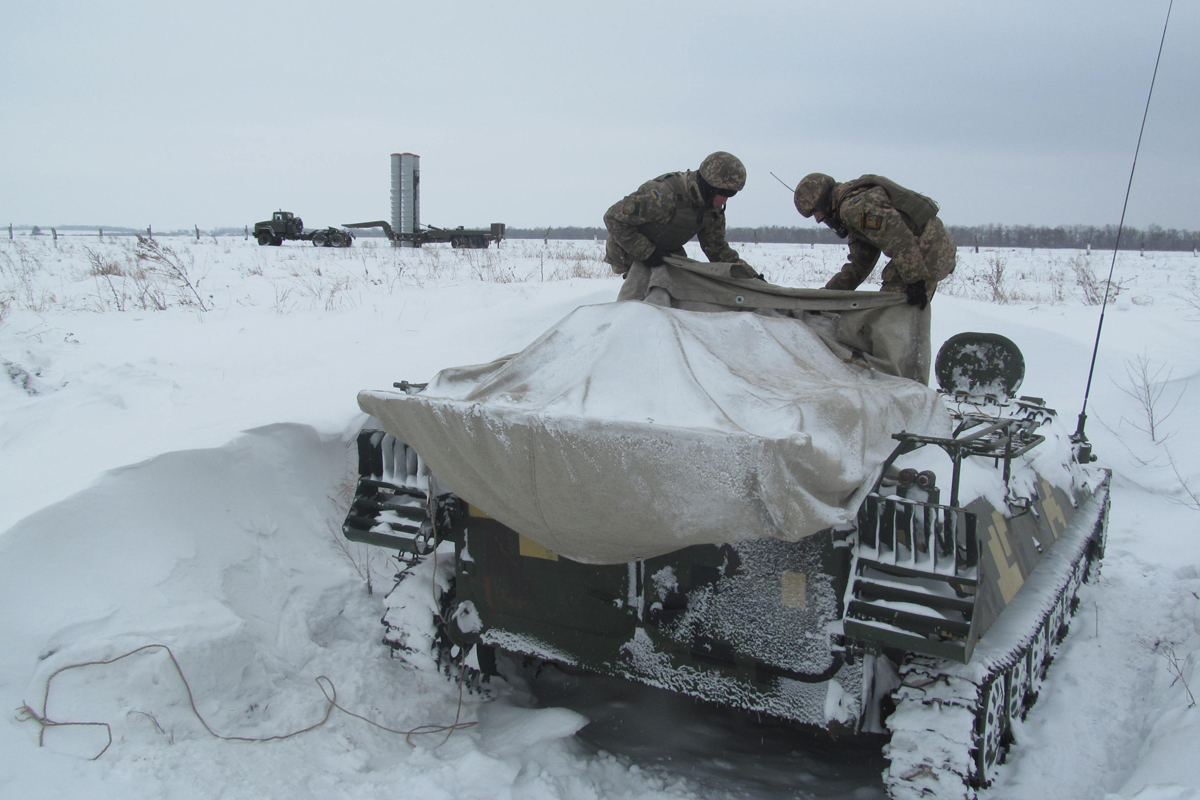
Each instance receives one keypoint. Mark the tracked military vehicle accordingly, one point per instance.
(806, 532)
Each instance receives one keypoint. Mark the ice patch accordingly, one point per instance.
(506, 730)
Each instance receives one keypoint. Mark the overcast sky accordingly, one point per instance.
(545, 113)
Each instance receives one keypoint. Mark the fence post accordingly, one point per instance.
(247, 232)
(54, 233)
(100, 233)
(10, 231)
(149, 231)
(197, 233)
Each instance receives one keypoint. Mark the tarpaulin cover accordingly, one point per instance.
(631, 430)
(879, 329)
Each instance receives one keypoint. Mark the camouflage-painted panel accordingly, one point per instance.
(1010, 548)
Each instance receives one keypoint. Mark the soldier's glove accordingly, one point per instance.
(655, 259)
(916, 294)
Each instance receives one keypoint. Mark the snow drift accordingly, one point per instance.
(630, 430)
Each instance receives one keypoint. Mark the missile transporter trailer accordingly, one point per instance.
(460, 237)
(284, 225)
(931, 614)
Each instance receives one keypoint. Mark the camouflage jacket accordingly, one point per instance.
(664, 214)
(875, 226)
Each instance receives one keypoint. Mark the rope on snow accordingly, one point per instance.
(27, 713)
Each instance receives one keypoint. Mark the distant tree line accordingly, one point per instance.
(1077, 237)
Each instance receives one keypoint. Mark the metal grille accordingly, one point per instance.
(390, 506)
(928, 538)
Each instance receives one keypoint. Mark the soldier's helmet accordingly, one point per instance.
(724, 172)
(812, 193)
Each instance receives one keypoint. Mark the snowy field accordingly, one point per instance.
(176, 434)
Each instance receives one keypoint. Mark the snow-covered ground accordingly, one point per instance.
(176, 428)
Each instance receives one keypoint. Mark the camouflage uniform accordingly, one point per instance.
(663, 215)
(864, 210)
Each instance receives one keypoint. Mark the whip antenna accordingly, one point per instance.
(1079, 438)
(790, 189)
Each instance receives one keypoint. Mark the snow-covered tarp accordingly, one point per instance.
(878, 329)
(630, 430)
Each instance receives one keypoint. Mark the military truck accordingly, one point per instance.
(886, 560)
(429, 234)
(284, 225)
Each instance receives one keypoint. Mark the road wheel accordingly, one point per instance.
(991, 728)
(276, 241)
(264, 238)
(458, 241)
(337, 239)
(319, 239)
(1020, 686)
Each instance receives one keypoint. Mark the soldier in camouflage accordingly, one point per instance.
(881, 216)
(665, 213)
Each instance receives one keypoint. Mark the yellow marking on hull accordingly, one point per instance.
(794, 589)
(476, 511)
(1054, 512)
(1000, 525)
(1010, 578)
(531, 549)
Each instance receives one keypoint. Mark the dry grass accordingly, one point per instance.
(127, 274)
